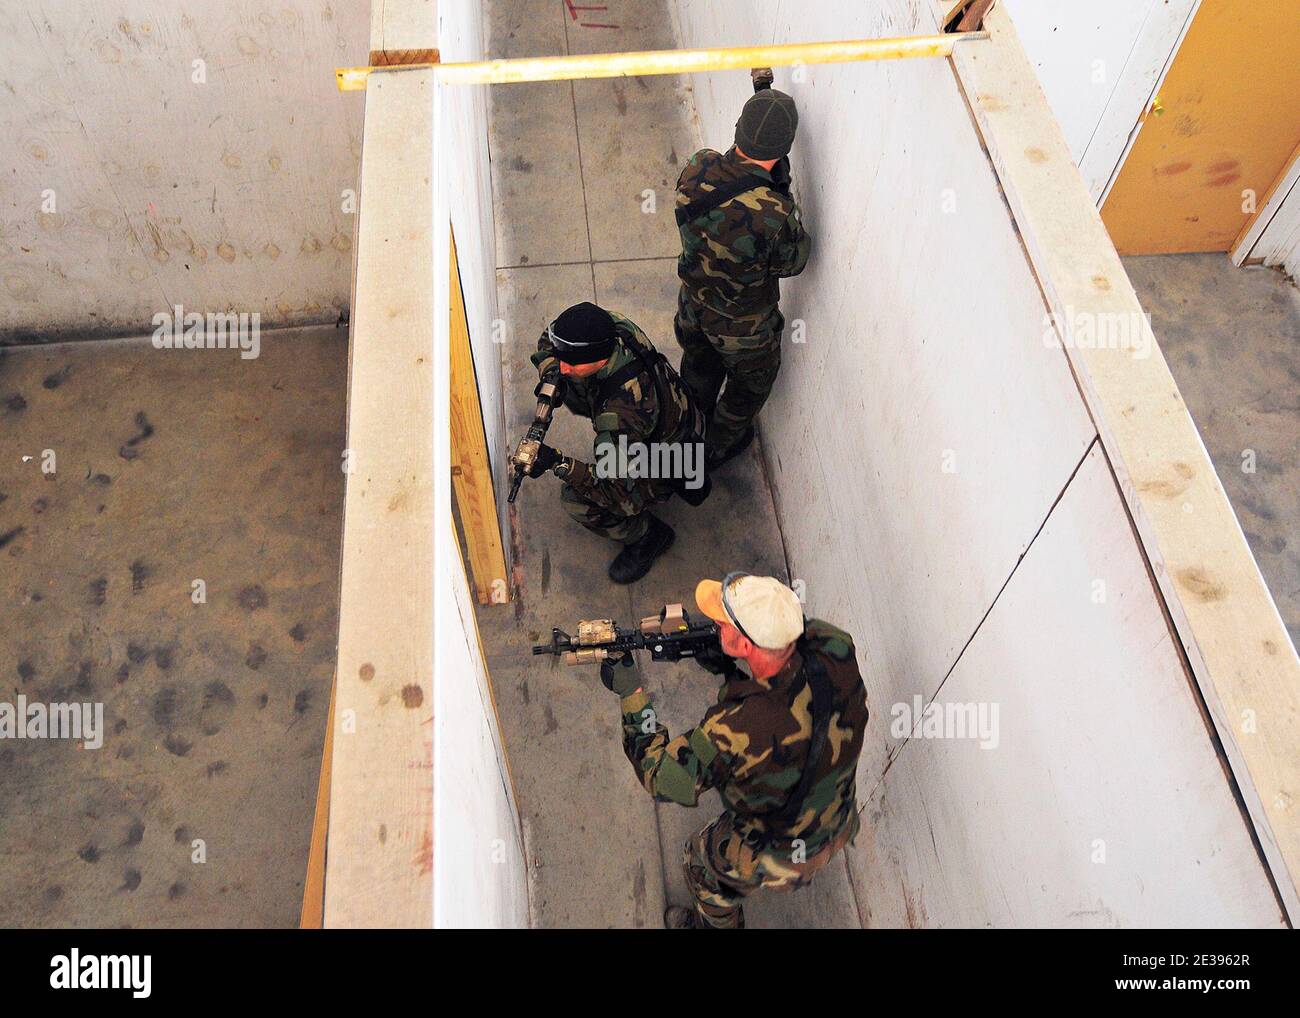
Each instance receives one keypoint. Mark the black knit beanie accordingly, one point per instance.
(583, 334)
(767, 124)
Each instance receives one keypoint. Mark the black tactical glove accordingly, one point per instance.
(619, 675)
(717, 661)
(762, 78)
(546, 458)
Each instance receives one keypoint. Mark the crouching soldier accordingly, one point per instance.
(741, 233)
(781, 745)
(649, 434)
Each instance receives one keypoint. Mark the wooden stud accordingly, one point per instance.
(471, 467)
(313, 888)
(379, 866)
(401, 57)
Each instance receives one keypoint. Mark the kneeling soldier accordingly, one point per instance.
(741, 233)
(608, 370)
(781, 745)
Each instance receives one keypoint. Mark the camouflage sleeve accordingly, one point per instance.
(691, 169)
(672, 770)
(619, 418)
(544, 359)
(791, 248)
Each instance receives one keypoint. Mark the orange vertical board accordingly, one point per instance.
(1230, 120)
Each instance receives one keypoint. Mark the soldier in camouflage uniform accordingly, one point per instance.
(608, 371)
(741, 233)
(781, 745)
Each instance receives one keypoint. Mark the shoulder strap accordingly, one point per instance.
(718, 196)
(646, 361)
(822, 704)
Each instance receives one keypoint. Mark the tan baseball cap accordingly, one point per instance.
(762, 607)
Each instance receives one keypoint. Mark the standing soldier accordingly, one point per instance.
(607, 370)
(740, 234)
(781, 745)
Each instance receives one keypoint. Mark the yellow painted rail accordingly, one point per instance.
(670, 61)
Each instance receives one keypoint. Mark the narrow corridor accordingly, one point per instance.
(583, 177)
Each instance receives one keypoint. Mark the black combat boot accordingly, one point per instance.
(678, 917)
(715, 459)
(635, 560)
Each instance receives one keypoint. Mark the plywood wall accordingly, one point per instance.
(460, 32)
(1099, 64)
(943, 496)
(162, 153)
(480, 878)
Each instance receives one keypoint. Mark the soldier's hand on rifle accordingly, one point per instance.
(762, 78)
(546, 459)
(619, 674)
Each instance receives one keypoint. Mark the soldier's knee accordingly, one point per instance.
(586, 513)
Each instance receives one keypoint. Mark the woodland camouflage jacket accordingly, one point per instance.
(753, 743)
(733, 255)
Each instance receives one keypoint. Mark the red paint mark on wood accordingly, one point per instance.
(424, 857)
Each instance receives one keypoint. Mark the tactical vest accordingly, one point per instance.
(648, 360)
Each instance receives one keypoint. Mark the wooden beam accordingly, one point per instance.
(471, 469)
(673, 61)
(312, 916)
(379, 865)
(1239, 651)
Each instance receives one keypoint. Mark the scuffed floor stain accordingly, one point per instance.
(213, 708)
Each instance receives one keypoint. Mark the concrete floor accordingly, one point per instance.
(171, 466)
(570, 162)
(1232, 340)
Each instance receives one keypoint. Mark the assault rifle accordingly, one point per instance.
(669, 636)
(526, 451)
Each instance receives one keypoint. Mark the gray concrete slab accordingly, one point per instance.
(646, 292)
(1232, 340)
(170, 466)
(588, 827)
(601, 853)
(536, 173)
(635, 134)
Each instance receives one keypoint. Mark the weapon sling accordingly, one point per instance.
(718, 196)
(822, 703)
(649, 361)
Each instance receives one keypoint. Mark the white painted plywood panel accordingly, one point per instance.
(479, 874)
(922, 430)
(1101, 754)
